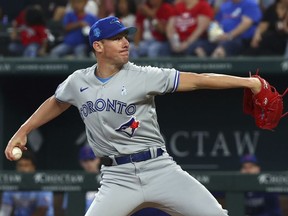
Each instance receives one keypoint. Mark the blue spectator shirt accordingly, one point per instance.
(76, 37)
(25, 203)
(230, 15)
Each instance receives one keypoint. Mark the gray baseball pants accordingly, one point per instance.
(158, 182)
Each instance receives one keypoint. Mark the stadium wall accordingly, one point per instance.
(204, 130)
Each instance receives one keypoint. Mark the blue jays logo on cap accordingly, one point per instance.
(106, 28)
(129, 127)
(116, 21)
(96, 32)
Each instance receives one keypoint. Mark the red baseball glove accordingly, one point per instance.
(266, 106)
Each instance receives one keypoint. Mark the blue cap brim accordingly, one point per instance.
(130, 31)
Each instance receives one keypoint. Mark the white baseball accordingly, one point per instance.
(17, 153)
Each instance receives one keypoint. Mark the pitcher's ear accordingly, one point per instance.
(98, 46)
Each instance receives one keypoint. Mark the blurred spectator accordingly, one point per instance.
(91, 164)
(92, 7)
(151, 20)
(188, 25)
(258, 203)
(53, 10)
(265, 4)
(106, 8)
(76, 25)
(125, 10)
(88, 161)
(29, 33)
(238, 19)
(27, 203)
(270, 36)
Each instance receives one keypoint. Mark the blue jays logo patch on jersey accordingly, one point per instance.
(129, 127)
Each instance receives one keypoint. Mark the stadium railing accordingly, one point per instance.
(48, 66)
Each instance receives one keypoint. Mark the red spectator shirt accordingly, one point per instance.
(164, 12)
(33, 34)
(186, 19)
(20, 19)
(30, 34)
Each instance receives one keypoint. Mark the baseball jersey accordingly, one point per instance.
(120, 114)
(186, 18)
(26, 202)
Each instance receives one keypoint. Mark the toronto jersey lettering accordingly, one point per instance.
(110, 106)
(111, 110)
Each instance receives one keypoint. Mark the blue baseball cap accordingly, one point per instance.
(249, 158)
(106, 28)
(86, 153)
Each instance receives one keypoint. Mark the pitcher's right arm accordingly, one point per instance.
(48, 110)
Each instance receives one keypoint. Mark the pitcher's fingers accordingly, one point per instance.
(8, 154)
(10, 146)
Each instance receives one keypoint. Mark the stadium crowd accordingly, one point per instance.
(200, 28)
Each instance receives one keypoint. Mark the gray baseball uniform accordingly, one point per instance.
(120, 118)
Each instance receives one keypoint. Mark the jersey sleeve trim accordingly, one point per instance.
(61, 101)
(176, 81)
